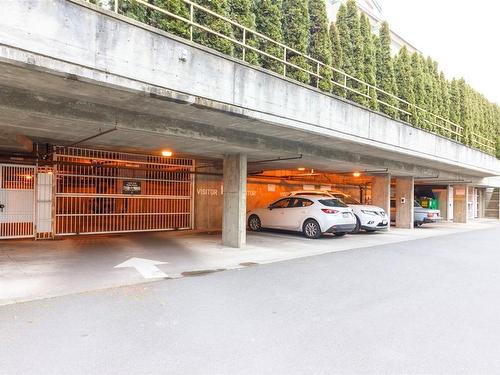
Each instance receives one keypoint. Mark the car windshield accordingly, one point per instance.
(332, 202)
(416, 204)
(347, 199)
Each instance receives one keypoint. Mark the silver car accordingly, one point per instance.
(421, 215)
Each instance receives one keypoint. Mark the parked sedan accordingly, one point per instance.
(421, 215)
(310, 215)
(368, 217)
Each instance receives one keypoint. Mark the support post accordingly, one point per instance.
(381, 194)
(235, 194)
(404, 202)
(449, 203)
(460, 199)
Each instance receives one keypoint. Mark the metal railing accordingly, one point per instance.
(483, 143)
(435, 124)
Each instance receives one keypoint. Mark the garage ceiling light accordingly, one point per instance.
(301, 169)
(356, 174)
(167, 153)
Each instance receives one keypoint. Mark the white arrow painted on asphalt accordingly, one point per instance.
(146, 267)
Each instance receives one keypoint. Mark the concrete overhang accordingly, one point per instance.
(70, 70)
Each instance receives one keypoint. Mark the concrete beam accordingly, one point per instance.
(381, 193)
(404, 202)
(62, 120)
(235, 194)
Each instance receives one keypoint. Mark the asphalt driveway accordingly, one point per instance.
(415, 307)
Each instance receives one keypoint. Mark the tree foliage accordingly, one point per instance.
(336, 60)
(369, 59)
(268, 19)
(296, 35)
(351, 44)
(320, 45)
(386, 80)
(405, 83)
(243, 12)
(205, 38)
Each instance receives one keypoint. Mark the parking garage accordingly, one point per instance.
(82, 191)
(122, 144)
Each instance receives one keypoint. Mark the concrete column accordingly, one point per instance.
(481, 201)
(404, 202)
(235, 196)
(460, 199)
(381, 194)
(450, 200)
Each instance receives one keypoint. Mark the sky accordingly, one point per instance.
(462, 36)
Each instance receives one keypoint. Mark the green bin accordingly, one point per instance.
(431, 203)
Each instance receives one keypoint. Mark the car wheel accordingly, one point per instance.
(358, 226)
(311, 229)
(254, 223)
(340, 234)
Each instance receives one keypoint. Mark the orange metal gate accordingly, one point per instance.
(110, 192)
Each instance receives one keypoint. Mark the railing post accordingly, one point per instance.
(284, 59)
(244, 43)
(317, 72)
(191, 16)
(116, 6)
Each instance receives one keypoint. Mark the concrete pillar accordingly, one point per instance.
(480, 202)
(381, 194)
(449, 209)
(404, 202)
(460, 199)
(235, 196)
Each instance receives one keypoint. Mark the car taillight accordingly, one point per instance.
(329, 211)
(430, 215)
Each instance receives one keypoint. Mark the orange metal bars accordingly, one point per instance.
(90, 199)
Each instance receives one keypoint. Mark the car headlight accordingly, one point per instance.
(368, 212)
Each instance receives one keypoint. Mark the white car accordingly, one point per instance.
(310, 215)
(370, 218)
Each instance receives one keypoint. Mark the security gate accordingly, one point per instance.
(100, 191)
(17, 207)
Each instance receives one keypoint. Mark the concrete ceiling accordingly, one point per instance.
(62, 110)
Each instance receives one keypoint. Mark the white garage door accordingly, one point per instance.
(16, 201)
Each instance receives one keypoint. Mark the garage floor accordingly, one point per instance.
(33, 270)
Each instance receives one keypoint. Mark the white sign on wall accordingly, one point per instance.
(308, 187)
(204, 191)
(271, 187)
